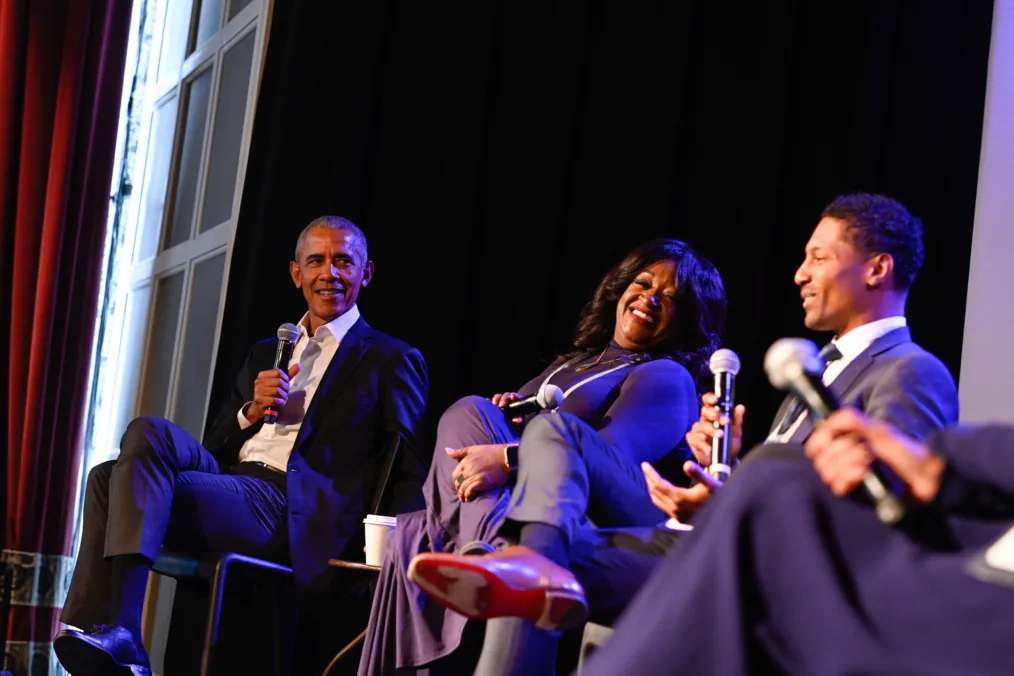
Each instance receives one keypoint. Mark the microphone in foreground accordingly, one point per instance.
(548, 396)
(793, 364)
(725, 366)
(287, 335)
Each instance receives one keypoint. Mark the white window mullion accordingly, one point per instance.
(209, 133)
(147, 364)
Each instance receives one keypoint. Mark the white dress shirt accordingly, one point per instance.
(273, 443)
(851, 345)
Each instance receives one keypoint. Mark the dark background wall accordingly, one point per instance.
(501, 156)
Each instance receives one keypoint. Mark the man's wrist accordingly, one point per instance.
(249, 414)
(926, 487)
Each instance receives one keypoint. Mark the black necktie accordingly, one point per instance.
(829, 353)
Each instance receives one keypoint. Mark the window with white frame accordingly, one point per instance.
(189, 96)
(176, 200)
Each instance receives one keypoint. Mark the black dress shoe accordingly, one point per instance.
(104, 651)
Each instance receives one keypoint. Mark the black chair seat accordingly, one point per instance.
(213, 568)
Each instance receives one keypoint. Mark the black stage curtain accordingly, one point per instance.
(503, 155)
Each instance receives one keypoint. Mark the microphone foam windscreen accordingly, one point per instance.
(787, 357)
(550, 396)
(288, 333)
(724, 361)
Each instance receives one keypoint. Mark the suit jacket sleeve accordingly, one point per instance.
(225, 438)
(917, 395)
(404, 414)
(979, 478)
(652, 412)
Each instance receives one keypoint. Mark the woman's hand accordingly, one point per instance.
(481, 468)
(502, 400)
(680, 503)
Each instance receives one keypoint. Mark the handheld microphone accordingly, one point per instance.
(287, 335)
(548, 396)
(724, 365)
(793, 364)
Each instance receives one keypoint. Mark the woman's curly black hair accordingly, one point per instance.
(699, 319)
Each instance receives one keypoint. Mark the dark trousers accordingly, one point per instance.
(167, 488)
(781, 576)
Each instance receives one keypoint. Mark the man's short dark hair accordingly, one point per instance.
(879, 224)
(335, 223)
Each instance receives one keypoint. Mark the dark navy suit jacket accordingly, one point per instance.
(373, 394)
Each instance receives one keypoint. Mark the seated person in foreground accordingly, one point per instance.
(859, 265)
(631, 396)
(293, 492)
(806, 580)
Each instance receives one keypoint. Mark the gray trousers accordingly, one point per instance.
(167, 488)
(570, 477)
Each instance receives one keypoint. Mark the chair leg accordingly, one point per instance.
(214, 613)
(278, 606)
(344, 651)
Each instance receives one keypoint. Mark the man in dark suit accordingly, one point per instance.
(293, 491)
(858, 268)
(803, 580)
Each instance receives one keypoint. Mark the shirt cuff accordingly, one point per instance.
(241, 417)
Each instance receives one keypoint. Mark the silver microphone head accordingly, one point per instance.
(787, 358)
(724, 361)
(549, 396)
(288, 333)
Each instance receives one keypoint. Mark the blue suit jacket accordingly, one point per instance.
(372, 394)
(894, 380)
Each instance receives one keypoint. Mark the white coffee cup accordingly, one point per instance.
(377, 529)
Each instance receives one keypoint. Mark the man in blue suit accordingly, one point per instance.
(859, 266)
(293, 491)
(786, 574)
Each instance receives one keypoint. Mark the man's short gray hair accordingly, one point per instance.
(336, 223)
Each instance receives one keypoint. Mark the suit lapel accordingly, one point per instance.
(803, 431)
(783, 410)
(842, 385)
(348, 356)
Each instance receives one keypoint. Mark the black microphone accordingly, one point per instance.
(548, 396)
(287, 335)
(793, 364)
(724, 365)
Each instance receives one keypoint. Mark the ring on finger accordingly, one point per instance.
(459, 479)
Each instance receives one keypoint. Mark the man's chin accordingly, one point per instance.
(330, 312)
(816, 323)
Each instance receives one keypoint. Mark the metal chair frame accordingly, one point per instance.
(215, 566)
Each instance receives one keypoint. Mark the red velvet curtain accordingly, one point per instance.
(61, 76)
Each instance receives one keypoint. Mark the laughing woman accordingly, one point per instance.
(630, 385)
